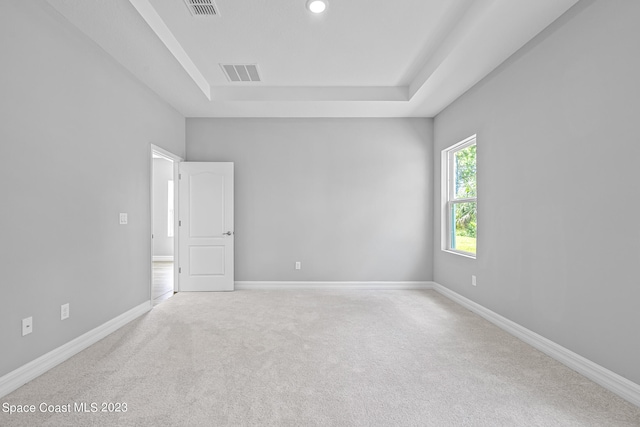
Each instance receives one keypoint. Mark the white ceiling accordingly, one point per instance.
(361, 58)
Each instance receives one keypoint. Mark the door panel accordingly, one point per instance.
(206, 226)
(206, 205)
(206, 260)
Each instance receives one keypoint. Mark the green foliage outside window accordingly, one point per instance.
(466, 214)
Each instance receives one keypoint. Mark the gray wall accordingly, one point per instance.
(559, 240)
(74, 142)
(162, 174)
(349, 198)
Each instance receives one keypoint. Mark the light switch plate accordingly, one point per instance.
(27, 326)
(123, 218)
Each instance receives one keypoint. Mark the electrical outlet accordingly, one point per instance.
(298, 265)
(473, 280)
(27, 326)
(123, 218)
(64, 311)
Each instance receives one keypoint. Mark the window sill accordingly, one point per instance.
(462, 254)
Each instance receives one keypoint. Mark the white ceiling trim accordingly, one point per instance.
(158, 26)
(307, 93)
(463, 29)
(494, 33)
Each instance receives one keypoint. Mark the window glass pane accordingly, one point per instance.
(170, 209)
(465, 172)
(463, 226)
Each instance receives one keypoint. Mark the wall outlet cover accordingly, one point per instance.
(64, 311)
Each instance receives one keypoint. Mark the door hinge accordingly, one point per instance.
(179, 269)
(179, 223)
(179, 176)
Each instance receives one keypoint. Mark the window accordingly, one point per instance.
(170, 217)
(460, 197)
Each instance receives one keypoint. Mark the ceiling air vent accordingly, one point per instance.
(202, 7)
(241, 73)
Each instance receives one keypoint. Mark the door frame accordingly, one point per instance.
(175, 159)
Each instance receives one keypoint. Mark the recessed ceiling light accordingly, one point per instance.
(317, 6)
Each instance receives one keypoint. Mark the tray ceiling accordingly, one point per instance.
(357, 59)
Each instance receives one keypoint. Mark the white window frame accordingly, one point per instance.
(448, 195)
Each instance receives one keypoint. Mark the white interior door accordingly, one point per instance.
(206, 226)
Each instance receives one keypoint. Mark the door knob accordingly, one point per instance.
(228, 233)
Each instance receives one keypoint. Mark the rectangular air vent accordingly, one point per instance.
(202, 7)
(241, 72)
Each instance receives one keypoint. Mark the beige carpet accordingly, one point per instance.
(325, 358)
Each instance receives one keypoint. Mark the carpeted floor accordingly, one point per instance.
(317, 358)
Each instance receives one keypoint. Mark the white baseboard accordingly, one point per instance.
(163, 258)
(17, 378)
(248, 285)
(619, 385)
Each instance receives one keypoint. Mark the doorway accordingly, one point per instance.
(163, 222)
